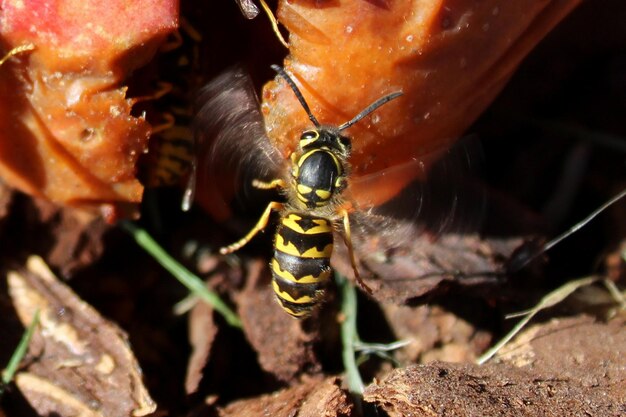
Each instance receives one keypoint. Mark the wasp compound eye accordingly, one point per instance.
(308, 138)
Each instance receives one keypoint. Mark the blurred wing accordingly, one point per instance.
(231, 146)
(443, 199)
(430, 233)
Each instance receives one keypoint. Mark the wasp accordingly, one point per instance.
(171, 156)
(313, 186)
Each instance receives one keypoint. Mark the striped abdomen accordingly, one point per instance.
(174, 157)
(301, 264)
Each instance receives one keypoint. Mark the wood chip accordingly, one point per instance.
(80, 363)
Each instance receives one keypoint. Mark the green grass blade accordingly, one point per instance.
(20, 352)
(549, 300)
(182, 274)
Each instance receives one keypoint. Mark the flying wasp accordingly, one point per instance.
(313, 187)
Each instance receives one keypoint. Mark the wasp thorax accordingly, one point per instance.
(318, 173)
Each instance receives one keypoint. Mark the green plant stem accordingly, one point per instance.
(349, 334)
(182, 274)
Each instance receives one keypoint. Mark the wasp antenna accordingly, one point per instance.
(294, 87)
(370, 109)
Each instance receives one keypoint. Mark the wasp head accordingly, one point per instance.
(325, 138)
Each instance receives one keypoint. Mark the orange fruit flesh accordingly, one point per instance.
(450, 58)
(66, 129)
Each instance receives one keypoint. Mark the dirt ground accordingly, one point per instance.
(117, 340)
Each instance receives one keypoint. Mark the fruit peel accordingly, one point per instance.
(66, 129)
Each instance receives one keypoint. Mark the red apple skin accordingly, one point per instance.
(66, 129)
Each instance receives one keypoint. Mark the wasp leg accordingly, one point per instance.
(175, 42)
(274, 23)
(168, 123)
(348, 239)
(163, 88)
(262, 185)
(260, 225)
(17, 50)
(190, 30)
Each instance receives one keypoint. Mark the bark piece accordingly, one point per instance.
(435, 334)
(551, 378)
(80, 364)
(284, 347)
(202, 333)
(312, 398)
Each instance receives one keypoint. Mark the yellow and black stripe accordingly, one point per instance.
(301, 264)
(318, 176)
(174, 156)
